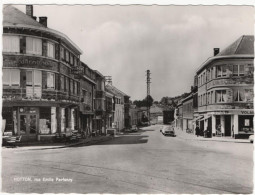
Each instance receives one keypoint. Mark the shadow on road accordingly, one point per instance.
(126, 139)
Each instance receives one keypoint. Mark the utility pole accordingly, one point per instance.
(148, 81)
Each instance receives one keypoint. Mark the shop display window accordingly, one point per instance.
(45, 120)
(245, 124)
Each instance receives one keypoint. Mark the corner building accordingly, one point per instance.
(225, 90)
(40, 92)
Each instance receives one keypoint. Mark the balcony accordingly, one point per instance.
(19, 94)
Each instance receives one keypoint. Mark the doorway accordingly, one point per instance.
(28, 124)
(227, 125)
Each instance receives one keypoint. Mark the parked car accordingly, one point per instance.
(251, 137)
(168, 130)
(134, 128)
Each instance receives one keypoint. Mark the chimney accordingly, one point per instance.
(216, 51)
(29, 10)
(43, 21)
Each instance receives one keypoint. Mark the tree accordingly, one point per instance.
(149, 100)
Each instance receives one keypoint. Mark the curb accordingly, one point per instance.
(85, 142)
(213, 140)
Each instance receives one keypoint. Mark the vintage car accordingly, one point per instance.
(251, 138)
(168, 130)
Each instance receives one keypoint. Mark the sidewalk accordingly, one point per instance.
(55, 145)
(187, 136)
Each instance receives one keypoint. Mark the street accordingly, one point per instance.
(141, 162)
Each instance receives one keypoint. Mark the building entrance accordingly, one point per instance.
(227, 125)
(28, 124)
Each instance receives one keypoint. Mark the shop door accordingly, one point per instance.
(28, 124)
(227, 125)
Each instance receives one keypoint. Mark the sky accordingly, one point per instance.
(123, 41)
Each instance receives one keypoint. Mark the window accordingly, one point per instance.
(84, 95)
(248, 93)
(33, 46)
(241, 70)
(221, 96)
(71, 86)
(50, 80)
(11, 77)
(221, 71)
(212, 73)
(239, 96)
(62, 53)
(50, 50)
(67, 55)
(71, 59)
(62, 83)
(11, 44)
(238, 70)
(235, 70)
(67, 84)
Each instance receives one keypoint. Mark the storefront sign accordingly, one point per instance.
(238, 112)
(30, 62)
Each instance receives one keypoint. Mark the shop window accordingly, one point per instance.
(45, 120)
(11, 77)
(221, 96)
(50, 50)
(11, 44)
(50, 80)
(33, 46)
(245, 123)
(239, 96)
(7, 120)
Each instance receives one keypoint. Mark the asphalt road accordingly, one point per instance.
(142, 162)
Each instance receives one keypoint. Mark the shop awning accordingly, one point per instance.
(197, 118)
(206, 117)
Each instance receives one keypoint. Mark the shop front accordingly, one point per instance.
(231, 123)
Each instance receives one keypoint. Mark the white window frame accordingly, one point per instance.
(49, 84)
(221, 96)
(33, 46)
(50, 49)
(12, 73)
(11, 44)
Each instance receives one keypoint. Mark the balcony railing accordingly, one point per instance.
(46, 95)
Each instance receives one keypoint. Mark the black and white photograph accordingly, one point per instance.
(132, 97)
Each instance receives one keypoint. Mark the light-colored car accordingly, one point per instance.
(134, 128)
(168, 130)
(251, 138)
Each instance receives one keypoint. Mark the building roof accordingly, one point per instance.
(115, 90)
(14, 18)
(241, 48)
(243, 45)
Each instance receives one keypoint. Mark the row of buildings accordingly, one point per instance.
(221, 98)
(47, 89)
